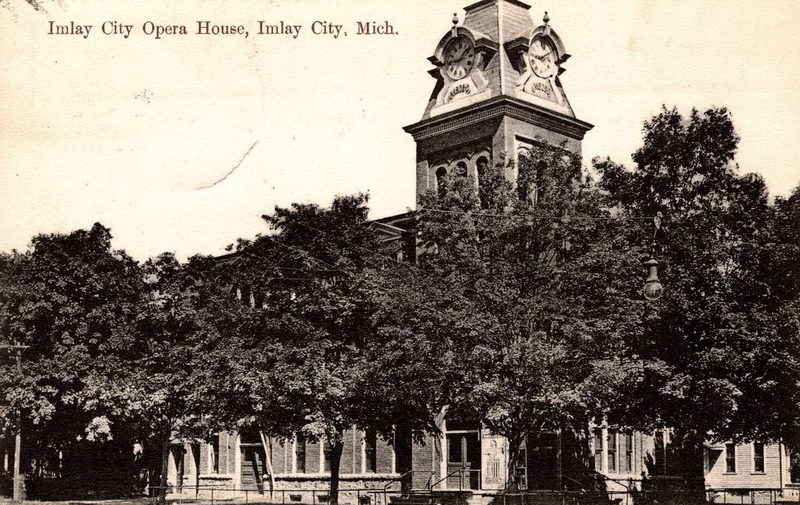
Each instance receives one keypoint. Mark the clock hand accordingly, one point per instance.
(456, 61)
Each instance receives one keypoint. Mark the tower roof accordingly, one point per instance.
(513, 57)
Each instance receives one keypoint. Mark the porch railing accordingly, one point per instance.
(460, 473)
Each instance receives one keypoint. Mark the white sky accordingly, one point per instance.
(125, 131)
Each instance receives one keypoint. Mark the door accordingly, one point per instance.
(543, 455)
(463, 461)
(253, 467)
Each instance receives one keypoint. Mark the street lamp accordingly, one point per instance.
(652, 286)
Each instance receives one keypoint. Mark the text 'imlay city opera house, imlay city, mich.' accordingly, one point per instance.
(497, 90)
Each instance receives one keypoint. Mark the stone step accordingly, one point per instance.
(477, 498)
(413, 499)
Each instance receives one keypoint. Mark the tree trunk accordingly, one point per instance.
(265, 442)
(514, 453)
(336, 446)
(162, 486)
(438, 440)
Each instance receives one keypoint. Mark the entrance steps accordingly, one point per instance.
(446, 497)
(438, 497)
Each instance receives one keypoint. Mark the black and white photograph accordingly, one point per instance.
(431, 252)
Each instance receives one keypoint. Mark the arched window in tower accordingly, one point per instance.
(481, 173)
(461, 169)
(441, 181)
(482, 168)
(537, 183)
(524, 177)
(530, 180)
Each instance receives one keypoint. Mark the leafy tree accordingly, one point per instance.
(309, 354)
(70, 297)
(713, 329)
(545, 293)
(148, 376)
(780, 404)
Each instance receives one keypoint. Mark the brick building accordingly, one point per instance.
(497, 92)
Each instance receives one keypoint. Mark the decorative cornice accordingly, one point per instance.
(488, 47)
(498, 107)
(483, 3)
(517, 44)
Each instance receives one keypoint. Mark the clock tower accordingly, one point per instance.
(497, 90)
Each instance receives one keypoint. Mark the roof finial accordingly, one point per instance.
(455, 24)
(546, 20)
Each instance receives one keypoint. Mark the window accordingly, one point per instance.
(536, 189)
(794, 466)
(454, 454)
(461, 169)
(482, 172)
(612, 451)
(300, 454)
(660, 454)
(326, 456)
(441, 182)
(194, 458)
(730, 458)
(758, 458)
(213, 455)
(523, 177)
(370, 452)
(626, 463)
(481, 167)
(598, 449)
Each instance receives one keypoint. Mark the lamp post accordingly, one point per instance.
(19, 478)
(652, 286)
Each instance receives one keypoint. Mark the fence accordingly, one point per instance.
(760, 496)
(383, 495)
(283, 496)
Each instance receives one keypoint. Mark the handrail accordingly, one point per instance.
(398, 479)
(595, 473)
(576, 481)
(460, 473)
(385, 490)
(452, 474)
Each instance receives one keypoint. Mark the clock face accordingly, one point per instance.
(543, 58)
(459, 57)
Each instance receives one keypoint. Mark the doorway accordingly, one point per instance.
(543, 460)
(253, 467)
(463, 460)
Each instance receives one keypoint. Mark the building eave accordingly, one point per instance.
(497, 107)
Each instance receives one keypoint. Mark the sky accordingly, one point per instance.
(181, 143)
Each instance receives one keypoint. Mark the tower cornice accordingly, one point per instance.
(499, 106)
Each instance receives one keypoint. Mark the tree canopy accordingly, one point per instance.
(546, 296)
(716, 331)
(521, 309)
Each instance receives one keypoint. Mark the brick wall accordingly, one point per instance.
(422, 462)
(350, 453)
(384, 456)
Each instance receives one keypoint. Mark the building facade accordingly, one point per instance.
(465, 457)
(497, 93)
